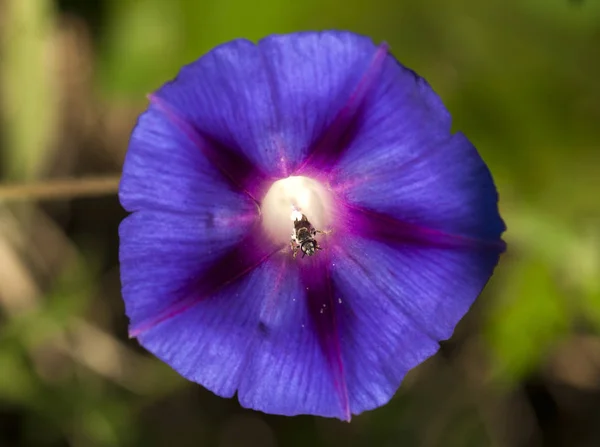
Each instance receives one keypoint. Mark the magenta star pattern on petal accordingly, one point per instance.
(305, 226)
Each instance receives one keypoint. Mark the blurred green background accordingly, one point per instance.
(521, 78)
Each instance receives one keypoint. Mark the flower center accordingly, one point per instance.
(290, 198)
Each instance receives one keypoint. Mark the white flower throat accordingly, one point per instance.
(291, 198)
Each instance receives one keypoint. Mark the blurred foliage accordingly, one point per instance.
(519, 76)
(27, 90)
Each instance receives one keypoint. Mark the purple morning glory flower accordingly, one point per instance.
(321, 131)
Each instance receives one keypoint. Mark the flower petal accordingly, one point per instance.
(234, 166)
(434, 287)
(270, 102)
(316, 277)
(341, 131)
(395, 304)
(382, 227)
(404, 162)
(170, 261)
(295, 365)
(210, 342)
(166, 170)
(254, 336)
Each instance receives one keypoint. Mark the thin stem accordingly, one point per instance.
(60, 189)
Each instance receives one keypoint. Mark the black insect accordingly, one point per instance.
(303, 237)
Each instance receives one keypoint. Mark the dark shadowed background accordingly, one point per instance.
(521, 78)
